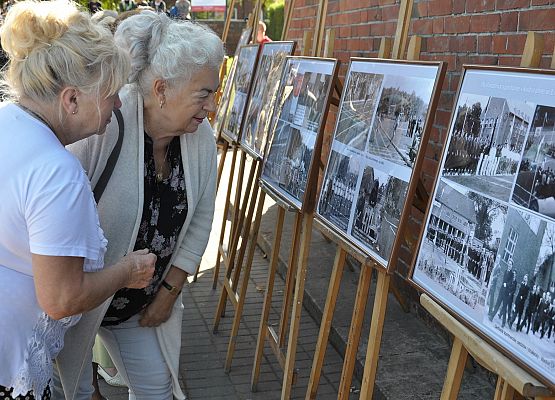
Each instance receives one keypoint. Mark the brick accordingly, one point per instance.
(484, 23)
(421, 9)
(459, 7)
(440, 7)
(377, 29)
(509, 21)
(422, 27)
(512, 4)
(509, 44)
(438, 44)
(511, 61)
(533, 20)
(457, 24)
(390, 13)
(454, 80)
(474, 6)
(485, 44)
(439, 25)
(462, 44)
(542, 2)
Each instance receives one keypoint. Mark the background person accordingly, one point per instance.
(64, 74)
(261, 36)
(168, 160)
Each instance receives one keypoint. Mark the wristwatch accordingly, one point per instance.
(174, 290)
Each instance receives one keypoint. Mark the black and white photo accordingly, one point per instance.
(488, 248)
(240, 87)
(262, 99)
(296, 126)
(371, 161)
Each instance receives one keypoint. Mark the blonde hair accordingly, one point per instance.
(52, 45)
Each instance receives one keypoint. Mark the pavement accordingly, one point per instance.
(414, 351)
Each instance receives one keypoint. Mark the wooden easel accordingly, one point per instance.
(230, 284)
(383, 285)
(227, 254)
(511, 378)
(295, 278)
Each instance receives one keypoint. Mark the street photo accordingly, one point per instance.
(357, 108)
(379, 204)
(295, 126)
(240, 86)
(535, 182)
(399, 118)
(262, 99)
(339, 189)
(486, 142)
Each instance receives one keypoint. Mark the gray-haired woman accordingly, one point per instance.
(161, 193)
(63, 76)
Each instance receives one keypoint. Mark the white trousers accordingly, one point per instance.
(136, 354)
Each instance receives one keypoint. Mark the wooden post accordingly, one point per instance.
(307, 42)
(297, 307)
(386, 46)
(375, 336)
(290, 6)
(263, 327)
(329, 44)
(401, 34)
(533, 50)
(413, 52)
(511, 377)
(325, 325)
(455, 371)
(319, 29)
(228, 21)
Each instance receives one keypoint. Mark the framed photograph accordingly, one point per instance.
(263, 96)
(488, 250)
(224, 100)
(296, 129)
(383, 119)
(239, 92)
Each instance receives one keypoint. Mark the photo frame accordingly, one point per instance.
(296, 130)
(239, 92)
(262, 99)
(224, 100)
(383, 121)
(487, 252)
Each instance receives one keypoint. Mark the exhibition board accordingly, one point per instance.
(224, 99)
(384, 119)
(262, 99)
(240, 87)
(296, 130)
(488, 247)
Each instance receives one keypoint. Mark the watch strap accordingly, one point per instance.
(172, 289)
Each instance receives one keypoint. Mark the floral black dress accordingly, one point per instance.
(164, 212)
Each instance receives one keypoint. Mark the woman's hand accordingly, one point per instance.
(159, 310)
(141, 268)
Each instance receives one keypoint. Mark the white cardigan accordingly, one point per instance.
(120, 212)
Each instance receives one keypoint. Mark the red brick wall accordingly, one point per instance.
(491, 32)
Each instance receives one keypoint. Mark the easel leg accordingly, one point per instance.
(289, 280)
(375, 336)
(297, 307)
(263, 328)
(222, 162)
(354, 332)
(327, 317)
(246, 275)
(224, 219)
(455, 371)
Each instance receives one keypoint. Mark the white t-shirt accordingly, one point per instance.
(47, 208)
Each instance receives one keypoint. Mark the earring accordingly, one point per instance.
(162, 101)
(74, 112)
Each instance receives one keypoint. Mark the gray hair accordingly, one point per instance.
(52, 44)
(163, 48)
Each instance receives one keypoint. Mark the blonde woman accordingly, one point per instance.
(166, 172)
(63, 76)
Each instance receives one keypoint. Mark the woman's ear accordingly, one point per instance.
(159, 88)
(69, 100)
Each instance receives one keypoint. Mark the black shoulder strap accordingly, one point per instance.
(111, 163)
